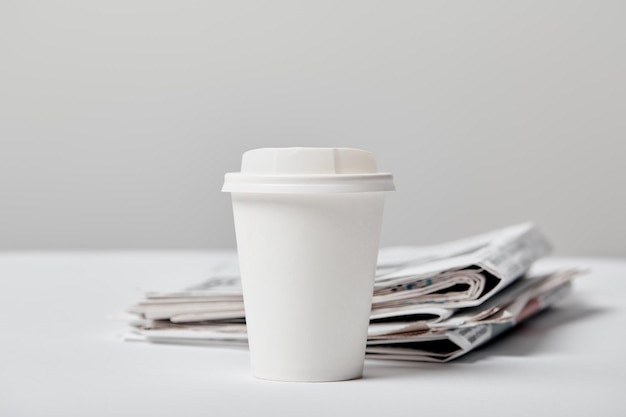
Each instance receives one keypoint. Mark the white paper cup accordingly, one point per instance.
(308, 224)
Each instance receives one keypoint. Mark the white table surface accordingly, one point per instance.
(61, 355)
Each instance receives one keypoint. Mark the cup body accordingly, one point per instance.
(307, 268)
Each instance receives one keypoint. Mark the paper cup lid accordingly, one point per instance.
(307, 170)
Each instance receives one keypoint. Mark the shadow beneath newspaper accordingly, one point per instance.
(384, 368)
(532, 336)
(535, 334)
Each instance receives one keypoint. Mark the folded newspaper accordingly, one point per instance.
(432, 303)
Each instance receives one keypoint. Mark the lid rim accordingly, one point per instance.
(318, 183)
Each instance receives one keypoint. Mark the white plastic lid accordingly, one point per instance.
(307, 170)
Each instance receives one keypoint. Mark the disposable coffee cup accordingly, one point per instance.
(307, 222)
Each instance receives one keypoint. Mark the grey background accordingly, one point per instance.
(118, 119)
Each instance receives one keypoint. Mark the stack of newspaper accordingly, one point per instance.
(432, 303)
